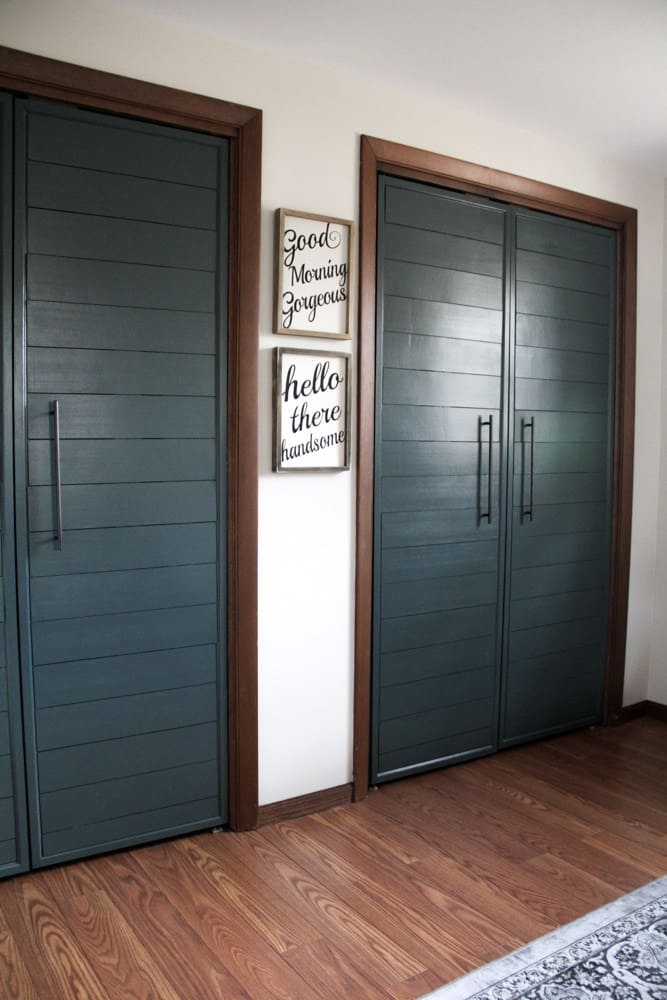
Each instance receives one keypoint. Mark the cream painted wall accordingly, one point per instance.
(312, 123)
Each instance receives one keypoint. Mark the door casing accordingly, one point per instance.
(381, 156)
(26, 74)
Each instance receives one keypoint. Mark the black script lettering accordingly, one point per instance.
(303, 420)
(296, 243)
(304, 275)
(293, 304)
(290, 382)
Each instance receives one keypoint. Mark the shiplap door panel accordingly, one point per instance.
(559, 557)
(486, 634)
(14, 854)
(124, 274)
(437, 565)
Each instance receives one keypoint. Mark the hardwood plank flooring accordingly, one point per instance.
(387, 898)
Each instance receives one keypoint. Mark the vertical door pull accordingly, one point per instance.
(482, 515)
(527, 508)
(59, 492)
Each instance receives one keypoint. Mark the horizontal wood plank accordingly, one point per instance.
(81, 681)
(440, 211)
(437, 723)
(128, 796)
(397, 763)
(410, 422)
(117, 635)
(132, 715)
(557, 272)
(441, 319)
(111, 833)
(103, 146)
(424, 562)
(425, 528)
(530, 612)
(70, 234)
(133, 461)
(429, 458)
(100, 550)
(124, 756)
(415, 631)
(417, 696)
(433, 284)
(537, 395)
(562, 334)
(123, 328)
(441, 389)
(561, 365)
(73, 189)
(542, 300)
(120, 504)
(422, 596)
(102, 416)
(439, 660)
(108, 283)
(123, 372)
(77, 595)
(422, 246)
(440, 354)
(562, 239)
(569, 548)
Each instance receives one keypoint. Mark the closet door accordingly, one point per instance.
(120, 478)
(437, 517)
(559, 554)
(13, 819)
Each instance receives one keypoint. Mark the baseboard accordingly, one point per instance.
(301, 805)
(642, 709)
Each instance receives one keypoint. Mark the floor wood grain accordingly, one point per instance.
(387, 898)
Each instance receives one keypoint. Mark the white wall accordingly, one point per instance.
(312, 123)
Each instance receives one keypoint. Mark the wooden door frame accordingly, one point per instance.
(36, 76)
(380, 156)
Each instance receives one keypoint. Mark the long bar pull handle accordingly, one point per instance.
(527, 510)
(482, 515)
(59, 492)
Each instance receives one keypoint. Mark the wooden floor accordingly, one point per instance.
(427, 879)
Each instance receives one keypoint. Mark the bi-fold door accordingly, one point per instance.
(492, 482)
(119, 376)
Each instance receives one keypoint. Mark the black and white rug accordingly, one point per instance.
(618, 952)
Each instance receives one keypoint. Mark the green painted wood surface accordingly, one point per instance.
(444, 687)
(124, 245)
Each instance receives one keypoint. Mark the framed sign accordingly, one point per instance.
(313, 264)
(311, 410)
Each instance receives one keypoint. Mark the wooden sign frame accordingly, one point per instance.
(311, 410)
(313, 274)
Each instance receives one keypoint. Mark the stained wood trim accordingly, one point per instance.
(642, 710)
(381, 156)
(303, 805)
(35, 76)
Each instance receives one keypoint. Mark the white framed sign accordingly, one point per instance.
(313, 280)
(311, 410)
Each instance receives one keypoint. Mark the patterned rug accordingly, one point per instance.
(618, 952)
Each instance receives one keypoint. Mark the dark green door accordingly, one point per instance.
(13, 819)
(438, 521)
(490, 594)
(120, 477)
(559, 556)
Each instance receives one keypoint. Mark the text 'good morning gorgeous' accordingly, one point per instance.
(314, 282)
